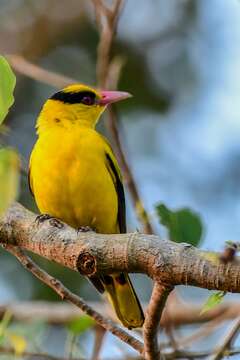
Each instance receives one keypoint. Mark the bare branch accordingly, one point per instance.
(127, 173)
(98, 341)
(91, 253)
(61, 313)
(51, 312)
(227, 341)
(98, 9)
(30, 354)
(66, 294)
(194, 354)
(204, 331)
(106, 20)
(153, 315)
(106, 77)
(37, 73)
(18, 227)
(168, 356)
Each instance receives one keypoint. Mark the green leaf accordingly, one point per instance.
(9, 176)
(7, 85)
(81, 324)
(183, 225)
(213, 300)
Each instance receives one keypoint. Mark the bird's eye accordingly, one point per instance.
(88, 100)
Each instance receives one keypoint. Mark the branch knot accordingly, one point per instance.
(86, 264)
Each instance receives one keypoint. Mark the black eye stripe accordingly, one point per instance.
(73, 97)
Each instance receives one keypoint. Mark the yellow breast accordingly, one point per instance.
(70, 179)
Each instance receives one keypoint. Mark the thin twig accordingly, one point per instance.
(172, 341)
(72, 344)
(61, 313)
(107, 24)
(98, 341)
(31, 354)
(66, 294)
(181, 354)
(153, 315)
(168, 356)
(97, 8)
(127, 173)
(227, 341)
(106, 20)
(204, 331)
(38, 73)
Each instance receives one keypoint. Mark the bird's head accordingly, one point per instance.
(77, 104)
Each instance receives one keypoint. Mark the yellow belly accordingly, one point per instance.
(70, 179)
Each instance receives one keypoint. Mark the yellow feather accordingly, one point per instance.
(70, 180)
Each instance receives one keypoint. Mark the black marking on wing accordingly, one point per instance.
(121, 279)
(29, 183)
(107, 279)
(73, 97)
(121, 197)
(97, 282)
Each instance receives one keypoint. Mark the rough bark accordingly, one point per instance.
(91, 253)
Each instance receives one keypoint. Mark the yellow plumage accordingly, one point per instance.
(74, 176)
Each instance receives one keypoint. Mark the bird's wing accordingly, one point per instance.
(115, 173)
(30, 185)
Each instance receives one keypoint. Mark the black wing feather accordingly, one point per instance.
(29, 183)
(121, 197)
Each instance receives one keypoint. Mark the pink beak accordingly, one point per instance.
(109, 97)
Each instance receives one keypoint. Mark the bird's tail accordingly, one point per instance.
(124, 299)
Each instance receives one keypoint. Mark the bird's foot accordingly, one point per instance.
(52, 220)
(42, 217)
(85, 229)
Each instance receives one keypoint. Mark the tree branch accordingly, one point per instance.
(37, 73)
(141, 213)
(32, 355)
(226, 343)
(153, 315)
(90, 253)
(107, 20)
(98, 342)
(58, 313)
(66, 294)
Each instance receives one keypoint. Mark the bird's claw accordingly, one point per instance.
(56, 223)
(52, 220)
(84, 229)
(42, 217)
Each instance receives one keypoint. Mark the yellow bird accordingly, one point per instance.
(74, 176)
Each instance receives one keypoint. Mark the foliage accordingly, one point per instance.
(183, 225)
(9, 162)
(213, 300)
(17, 341)
(81, 324)
(7, 85)
(9, 166)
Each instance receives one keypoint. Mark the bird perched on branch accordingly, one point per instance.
(74, 176)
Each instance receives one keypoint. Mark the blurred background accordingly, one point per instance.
(181, 131)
